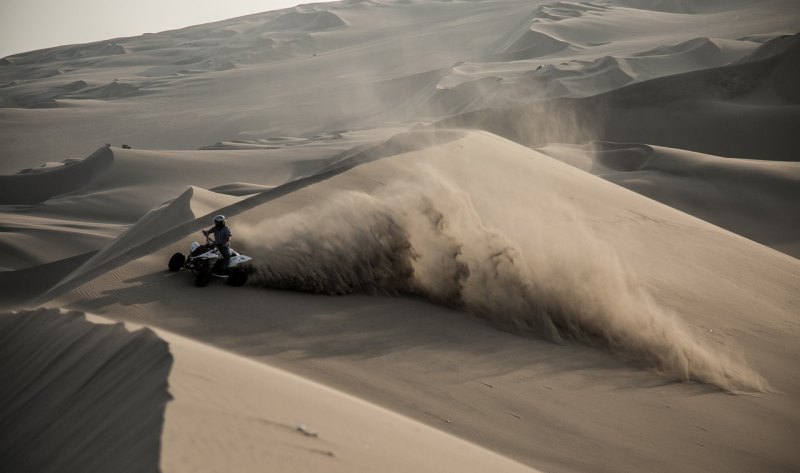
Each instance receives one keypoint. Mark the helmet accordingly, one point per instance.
(219, 221)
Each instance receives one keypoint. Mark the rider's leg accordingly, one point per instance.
(226, 256)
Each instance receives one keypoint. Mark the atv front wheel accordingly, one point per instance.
(237, 277)
(176, 262)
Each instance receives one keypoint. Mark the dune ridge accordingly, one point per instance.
(746, 97)
(33, 188)
(78, 396)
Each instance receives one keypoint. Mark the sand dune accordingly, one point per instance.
(753, 198)
(100, 195)
(239, 189)
(30, 240)
(532, 44)
(80, 396)
(683, 302)
(190, 205)
(308, 21)
(486, 236)
(66, 53)
(302, 424)
(547, 319)
(23, 285)
(749, 100)
(529, 80)
(422, 37)
(590, 34)
(34, 187)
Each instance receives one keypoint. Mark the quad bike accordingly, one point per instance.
(205, 262)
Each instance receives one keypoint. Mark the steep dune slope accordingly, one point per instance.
(519, 239)
(78, 396)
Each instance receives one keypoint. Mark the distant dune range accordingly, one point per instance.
(486, 237)
(746, 110)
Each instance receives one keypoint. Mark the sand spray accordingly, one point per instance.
(425, 238)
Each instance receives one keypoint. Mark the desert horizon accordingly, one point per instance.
(407, 235)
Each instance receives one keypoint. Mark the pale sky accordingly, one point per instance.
(26, 25)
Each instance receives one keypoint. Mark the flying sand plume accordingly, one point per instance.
(426, 238)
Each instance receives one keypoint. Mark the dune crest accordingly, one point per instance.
(754, 99)
(532, 44)
(106, 392)
(35, 187)
(306, 21)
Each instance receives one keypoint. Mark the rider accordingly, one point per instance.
(222, 238)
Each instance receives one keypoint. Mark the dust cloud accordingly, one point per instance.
(425, 238)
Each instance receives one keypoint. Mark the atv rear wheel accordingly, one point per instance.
(176, 262)
(237, 277)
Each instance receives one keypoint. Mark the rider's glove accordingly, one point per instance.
(205, 233)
